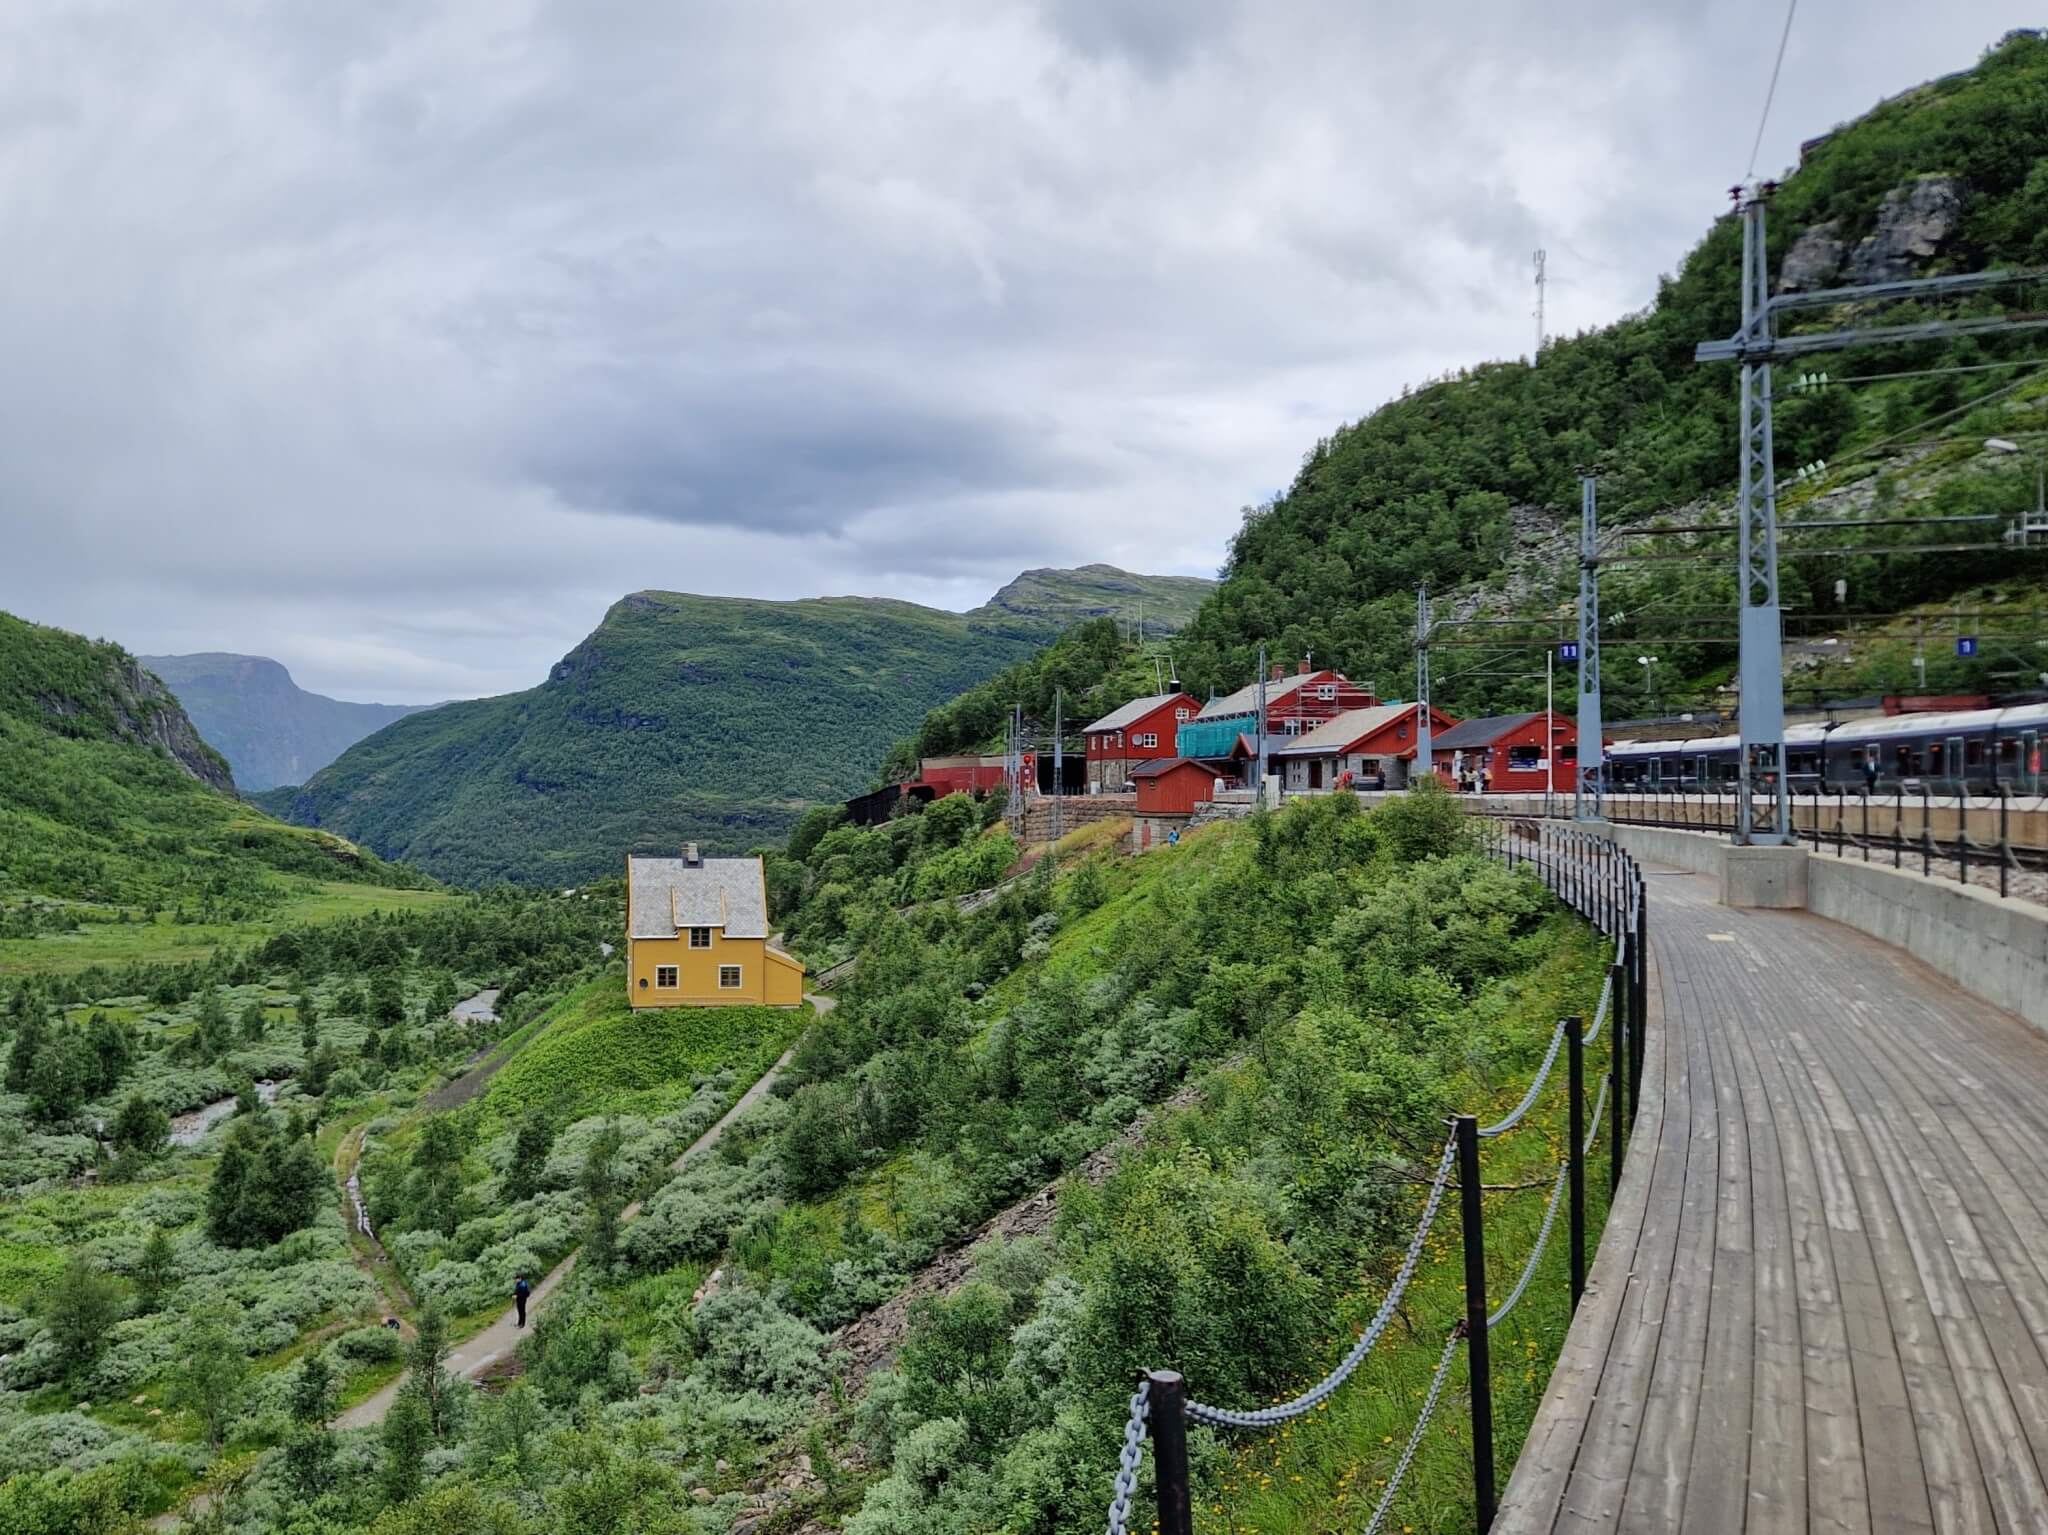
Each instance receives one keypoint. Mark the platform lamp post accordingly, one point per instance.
(1649, 664)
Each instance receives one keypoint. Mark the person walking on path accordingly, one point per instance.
(520, 1290)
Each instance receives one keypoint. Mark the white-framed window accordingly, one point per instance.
(665, 977)
(700, 937)
(1290, 727)
(1149, 738)
(1182, 715)
(728, 977)
(1326, 690)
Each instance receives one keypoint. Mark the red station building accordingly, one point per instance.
(1141, 731)
(1509, 753)
(1360, 748)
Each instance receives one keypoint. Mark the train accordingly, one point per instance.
(1974, 751)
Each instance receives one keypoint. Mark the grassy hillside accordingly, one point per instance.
(271, 730)
(1059, 598)
(1449, 482)
(120, 836)
(680, 717)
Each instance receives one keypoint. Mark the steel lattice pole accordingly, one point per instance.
(1762, 715)
(1586, 782)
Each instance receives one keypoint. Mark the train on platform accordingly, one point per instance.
(1974, 751)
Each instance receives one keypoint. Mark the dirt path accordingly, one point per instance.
(473, 1356)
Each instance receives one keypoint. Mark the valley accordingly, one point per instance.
(291, 1100)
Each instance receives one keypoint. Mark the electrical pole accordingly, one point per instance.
(1259, 732)
(1059, 761)
(1423, 761)
(1540, 280)
(1549, 727)
(1761, 710)
(1755, 346)
(1587, 781)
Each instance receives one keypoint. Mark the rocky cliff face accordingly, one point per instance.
(1913, 223)
(145, 713)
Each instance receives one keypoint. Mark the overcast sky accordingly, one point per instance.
(396, 340)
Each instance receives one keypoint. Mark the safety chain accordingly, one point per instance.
(1127, 1460)
(1529, 1098)
(1266, 1417)
(1600, 1012)
(1593, 1119)
(1436, 1386)
(1536, 1252)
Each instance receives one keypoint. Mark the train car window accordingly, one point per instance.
(1973, 752)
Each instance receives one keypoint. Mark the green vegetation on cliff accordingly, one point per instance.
(120, 836)
(1422, 489)
(680, 718)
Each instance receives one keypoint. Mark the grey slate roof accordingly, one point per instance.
(1479, 732)
(719, 892)
(1246, 698)
(1130, 713)
(1330, 738)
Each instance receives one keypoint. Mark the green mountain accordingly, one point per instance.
(270, 729)
(1471, 484)
(1056, 599)
(111, 806)
(679, 718)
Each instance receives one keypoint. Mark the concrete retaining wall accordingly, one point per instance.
(1993, 947)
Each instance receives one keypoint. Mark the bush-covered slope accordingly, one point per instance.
(113, 809)
(1422, 489)
(271, 730)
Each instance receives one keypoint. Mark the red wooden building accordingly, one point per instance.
(1295, 705)
(1509, 753)
(1174, 785)
(1138, 732)
(1359, 749)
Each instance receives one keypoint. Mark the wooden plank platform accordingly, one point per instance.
(1821, 1298)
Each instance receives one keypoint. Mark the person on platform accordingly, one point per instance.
(520, 1291)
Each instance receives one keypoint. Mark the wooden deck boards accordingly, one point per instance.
(1821, 1298)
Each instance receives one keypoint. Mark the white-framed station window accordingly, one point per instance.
(700, 937)
(665, 977)
(1149, 738)
(728, 977)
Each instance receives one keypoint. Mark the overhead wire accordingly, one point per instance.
(1772, 90)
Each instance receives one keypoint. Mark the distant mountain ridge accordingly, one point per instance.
(1060, 598)
(271, 730)
(679, 718)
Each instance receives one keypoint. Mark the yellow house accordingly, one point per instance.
(697, 935)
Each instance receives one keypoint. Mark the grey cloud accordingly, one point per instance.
(396, 340)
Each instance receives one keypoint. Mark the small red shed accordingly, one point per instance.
(1510, 753)
(1174, 785)
(1138, 732)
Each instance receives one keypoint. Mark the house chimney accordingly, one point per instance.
(1278, 672)
(1173, 684)
(690, 854)
(1302, 666)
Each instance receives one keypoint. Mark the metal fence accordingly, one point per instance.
(1874, 827)
(1595, 878)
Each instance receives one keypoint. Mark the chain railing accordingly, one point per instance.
(1595, 878)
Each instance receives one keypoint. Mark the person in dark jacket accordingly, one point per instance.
(520, 1290)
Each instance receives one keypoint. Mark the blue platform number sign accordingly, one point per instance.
(1966, 644)
(1568, 651)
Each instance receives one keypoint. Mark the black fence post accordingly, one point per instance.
(2004, 846)
(1170, 1451)
(1476, 1357)
(1866, 826)
(1575, 1068)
